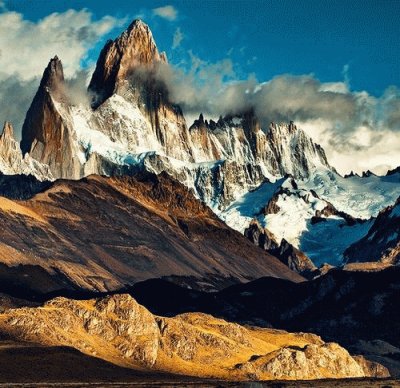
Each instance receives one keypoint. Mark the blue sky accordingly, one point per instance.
(330, 39)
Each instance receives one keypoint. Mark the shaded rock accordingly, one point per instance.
(285, 252)
(382, 242)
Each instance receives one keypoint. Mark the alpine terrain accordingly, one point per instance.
(116, 197)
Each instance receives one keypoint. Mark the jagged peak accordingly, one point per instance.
(207, 124)
(134, 49)
(8, 131)
(138, 25)
(138, 43)
(393, 171)
(352, 174)
(367, 174)
(53, 75)
(291, 127)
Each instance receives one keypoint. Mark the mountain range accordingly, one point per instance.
(114, 187)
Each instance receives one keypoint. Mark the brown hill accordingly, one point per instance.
(103, 233)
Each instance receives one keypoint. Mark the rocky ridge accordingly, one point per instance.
(133, 123)
(284, 251)
(119, 330)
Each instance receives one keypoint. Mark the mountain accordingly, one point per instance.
(382, 242)
(132, 122)
(127, 123)
(321, 216)
(119, 330)
(104, 233)
(46, 135)
(284, 251)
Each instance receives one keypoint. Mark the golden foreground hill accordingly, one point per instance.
(119, 330)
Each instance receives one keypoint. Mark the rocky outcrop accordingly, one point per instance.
(284, 251)
(393, 171)
(382, 242)
(320, 361)
(261, 236)
(10, 152)
(119, 330)
(294, 259)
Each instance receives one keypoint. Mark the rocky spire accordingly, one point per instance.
(134, 49)
(10, 154)
(52, 83)
(7, 133)
(46, 135)
(53, 75)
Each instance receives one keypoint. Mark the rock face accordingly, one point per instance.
(146, 226)
(12, 161)
(119, 330)
(320, 361)
(127, 67)
(382, 242)
(9, 149)
(284, 251)
(133, 49)
(46, 135)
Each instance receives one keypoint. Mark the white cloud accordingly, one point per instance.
(167, 12)
(177, 38)
(26, 48)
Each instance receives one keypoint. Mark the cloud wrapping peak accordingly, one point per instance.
(357, 130)
(167, 12)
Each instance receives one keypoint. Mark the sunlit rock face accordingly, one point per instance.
(47, 136)
(119, 330)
